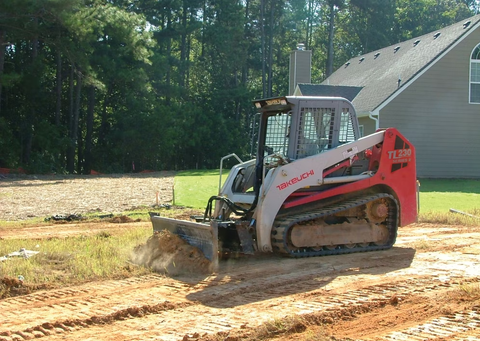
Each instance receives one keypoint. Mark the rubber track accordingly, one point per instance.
(281, 227)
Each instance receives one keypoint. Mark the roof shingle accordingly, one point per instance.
(381, 73)
(348, 92)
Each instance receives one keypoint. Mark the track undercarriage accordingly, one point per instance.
(367, 223)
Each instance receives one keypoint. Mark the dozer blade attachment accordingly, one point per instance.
(203, 236)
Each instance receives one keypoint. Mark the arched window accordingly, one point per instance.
(475, 75)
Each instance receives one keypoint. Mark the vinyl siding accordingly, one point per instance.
(435, 115)
(368, 125)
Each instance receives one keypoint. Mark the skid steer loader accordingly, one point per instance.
(315, 188)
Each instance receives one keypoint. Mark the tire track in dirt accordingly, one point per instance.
(461, 325)
(57, 307)
(84, 302)
(351, 304)
(185, 323)
(235, 307)
(243, 294)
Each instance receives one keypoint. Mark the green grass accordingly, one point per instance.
(74, 259)
(441, 195)
(437, 196)
(194, 188)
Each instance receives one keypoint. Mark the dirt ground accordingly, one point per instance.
(426, 287)
(28, 196)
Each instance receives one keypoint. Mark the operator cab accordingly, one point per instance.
(301, 126)
(290, 128)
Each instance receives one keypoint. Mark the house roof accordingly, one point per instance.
(383, 73)
(348, 92)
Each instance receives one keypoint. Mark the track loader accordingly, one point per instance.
(315, 187)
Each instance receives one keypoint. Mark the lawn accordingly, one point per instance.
(194, 188)
(441, 195)
(72, 260)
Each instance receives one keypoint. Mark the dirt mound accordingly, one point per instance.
(10, 286)
(10, 282)
(123, 219)
(167, 253)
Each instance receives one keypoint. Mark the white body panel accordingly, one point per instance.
(226, 190)
(280, 182)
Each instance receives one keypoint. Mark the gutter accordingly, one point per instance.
(377, 119)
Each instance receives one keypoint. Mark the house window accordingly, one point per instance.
(475, 75)
(360, 127)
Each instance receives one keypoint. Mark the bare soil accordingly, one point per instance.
(427, 287)
(167, 253)
(29, 196)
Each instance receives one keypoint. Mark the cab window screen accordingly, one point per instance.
(277, 134)
(316, 131)
(347, 133)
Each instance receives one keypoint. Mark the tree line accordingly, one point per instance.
(132, 85)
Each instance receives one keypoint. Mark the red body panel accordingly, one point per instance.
(394, 164)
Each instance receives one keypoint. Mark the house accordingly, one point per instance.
(428, 87)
